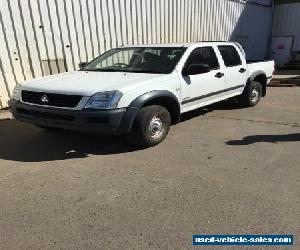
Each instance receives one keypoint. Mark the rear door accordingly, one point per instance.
(236, 68)
(196, 89)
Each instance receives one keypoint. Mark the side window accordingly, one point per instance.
(203, 55)
(230, 55)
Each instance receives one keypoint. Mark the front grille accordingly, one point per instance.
(50, 99)
(45, 115)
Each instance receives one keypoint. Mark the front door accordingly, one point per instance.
(281, 49)
(196, 89)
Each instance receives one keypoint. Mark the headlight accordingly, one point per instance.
(104, 100)
(16, 92)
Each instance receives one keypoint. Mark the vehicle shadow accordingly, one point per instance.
(265, 138)
(27, 143)
(194, 113)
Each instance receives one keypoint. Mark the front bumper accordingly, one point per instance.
(117, 121)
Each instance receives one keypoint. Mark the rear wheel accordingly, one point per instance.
(151, 126)
(251, 95)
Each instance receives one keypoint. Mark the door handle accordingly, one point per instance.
(219, 75)
(242, 70)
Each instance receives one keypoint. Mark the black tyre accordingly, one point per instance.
(150, 127)
(251, 95)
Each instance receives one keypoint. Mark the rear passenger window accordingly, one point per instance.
(203, 55)
(230, 55)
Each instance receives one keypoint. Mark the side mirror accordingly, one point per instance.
(82, 64)
(196, 69)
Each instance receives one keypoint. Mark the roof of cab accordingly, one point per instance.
(176, 44)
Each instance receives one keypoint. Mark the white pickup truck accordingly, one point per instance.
(141, 90)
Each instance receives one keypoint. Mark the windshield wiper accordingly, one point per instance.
(105, 70)
(147, 71)
(127, 70)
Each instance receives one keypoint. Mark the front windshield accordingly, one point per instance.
(160, 60)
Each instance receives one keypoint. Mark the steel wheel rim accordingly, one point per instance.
(254, 95)
(156, 127)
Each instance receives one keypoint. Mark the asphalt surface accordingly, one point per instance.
(223, 170)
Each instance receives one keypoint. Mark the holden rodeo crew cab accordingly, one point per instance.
(141, 90)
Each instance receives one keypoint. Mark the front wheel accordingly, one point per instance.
(150, 127)
(251, 95)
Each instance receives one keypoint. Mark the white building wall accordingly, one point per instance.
(45, 37)
(287, 22)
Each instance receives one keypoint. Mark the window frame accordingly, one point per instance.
(237, 52)
(214, 52)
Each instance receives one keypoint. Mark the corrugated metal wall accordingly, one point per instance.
(287, 22)
(40, 37)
